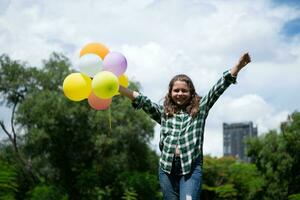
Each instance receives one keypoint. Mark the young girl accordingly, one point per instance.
(182, 119)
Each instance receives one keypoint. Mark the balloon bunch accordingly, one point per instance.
(101, 73)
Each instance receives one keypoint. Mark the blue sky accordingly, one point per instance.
(292, 28)
(163, 38)
(294, 3)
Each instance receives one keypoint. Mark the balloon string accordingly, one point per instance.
(109, 119)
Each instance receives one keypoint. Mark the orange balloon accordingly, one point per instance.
(98, 103)
(96, 48)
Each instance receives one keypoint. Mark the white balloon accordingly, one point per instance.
(90, 64)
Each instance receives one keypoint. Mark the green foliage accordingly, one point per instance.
(69, 144)
(46, 193)
(8, 182)
(277, 157)
(216, 171)
(247, 180)
(225, 178)
(79, 153)
(144, 184)
(17, 80)
(294, 197)
(226, 191)
(21, 179)
(129, 194)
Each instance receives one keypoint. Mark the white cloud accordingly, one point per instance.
(213, 142)
(149, 65)
(249, 107)
(163, 38)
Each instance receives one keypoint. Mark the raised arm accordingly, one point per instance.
(223, 83)
(139, 101)
(243, 61)
(128, 93)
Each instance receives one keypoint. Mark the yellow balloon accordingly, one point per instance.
(105, 85)
(123, 80)
(77, 86)
(95, 48)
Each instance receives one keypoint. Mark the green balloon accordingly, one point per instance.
(105, 85)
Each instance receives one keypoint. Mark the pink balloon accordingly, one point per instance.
(97, 103)
(115, 62)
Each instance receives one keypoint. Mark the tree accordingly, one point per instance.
(46, 193)
(276, 155)
(67, 144)
(226, 178)
(8, 182)
(15, 83)
(246, 180)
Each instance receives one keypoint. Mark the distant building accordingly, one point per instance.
(234, 136)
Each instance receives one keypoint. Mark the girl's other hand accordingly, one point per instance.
(244, 60)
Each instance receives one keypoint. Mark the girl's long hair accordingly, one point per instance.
(192, 105)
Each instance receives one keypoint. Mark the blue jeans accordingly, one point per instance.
(177, 186)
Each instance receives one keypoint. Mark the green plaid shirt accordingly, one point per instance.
(182, 129)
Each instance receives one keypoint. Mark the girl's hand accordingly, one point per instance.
(244, 60)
